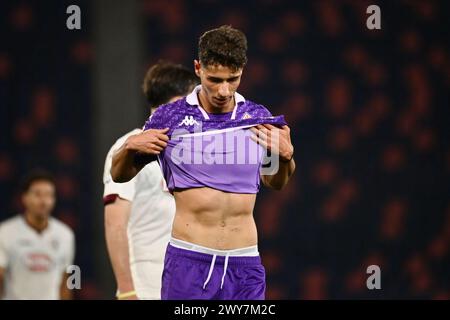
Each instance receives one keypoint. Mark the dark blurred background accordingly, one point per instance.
(368, 109)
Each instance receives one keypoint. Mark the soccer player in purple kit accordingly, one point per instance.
(213, 251)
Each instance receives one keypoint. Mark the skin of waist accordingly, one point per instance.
(215, 219)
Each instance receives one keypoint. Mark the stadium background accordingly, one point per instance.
(368, 109)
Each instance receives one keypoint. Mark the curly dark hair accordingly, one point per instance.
(224, 46)
(166, 80)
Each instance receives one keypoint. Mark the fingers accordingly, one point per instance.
(152, 141)
(269, 126)
(260, 141)
(162, 137)
(157, 136)
(262, 132)
(268, 136)
(272, 127)
(160, 143)
(153, 148)
(157, 148)
(263, 135)
(261, 128)
(157, 132)
(162, 130)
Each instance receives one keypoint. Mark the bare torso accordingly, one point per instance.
(215, 219)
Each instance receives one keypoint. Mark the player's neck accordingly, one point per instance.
(212, 109)
(37, 223)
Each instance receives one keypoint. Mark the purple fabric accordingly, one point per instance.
(172, 115)
(227, 167)
(218, 163)
(186, 271)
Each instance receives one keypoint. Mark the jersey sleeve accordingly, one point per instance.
(160, 119)
(157, 120)
(71, 252)
(3, 251)
(123, 190)
(262, 111)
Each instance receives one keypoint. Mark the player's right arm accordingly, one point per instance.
(2, 276)
(3, 261)
(137, 151)
(116, 222)
(117, 198)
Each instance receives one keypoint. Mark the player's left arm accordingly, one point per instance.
(65, 293)
(3, 261)
(266, 135)
(2, 276)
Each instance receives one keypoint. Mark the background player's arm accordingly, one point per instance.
(2, 277)
(285, 150)
(137, 151)
(116, 222)
(64, 292)
(3, 261)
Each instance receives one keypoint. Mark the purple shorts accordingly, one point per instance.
(191, 275)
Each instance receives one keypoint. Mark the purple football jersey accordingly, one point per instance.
(211, 150)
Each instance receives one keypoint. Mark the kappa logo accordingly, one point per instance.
(246, 116)
(188, 121)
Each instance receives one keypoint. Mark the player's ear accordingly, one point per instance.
(197, 67)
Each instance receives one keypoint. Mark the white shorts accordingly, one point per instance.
(147, 279)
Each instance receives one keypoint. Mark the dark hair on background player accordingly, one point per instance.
(35, 176)
(166, 80)
(224, 46)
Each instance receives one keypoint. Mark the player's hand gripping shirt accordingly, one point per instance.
(211, 150)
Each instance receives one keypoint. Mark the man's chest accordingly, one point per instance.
(36, 253)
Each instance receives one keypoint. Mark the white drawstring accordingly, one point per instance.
(225, 266)
(211, 268)
(210, 271)
(241, 252)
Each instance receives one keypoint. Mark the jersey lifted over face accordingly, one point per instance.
(211, 150)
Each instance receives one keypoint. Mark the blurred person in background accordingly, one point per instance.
(139, 213)
(35, 248)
